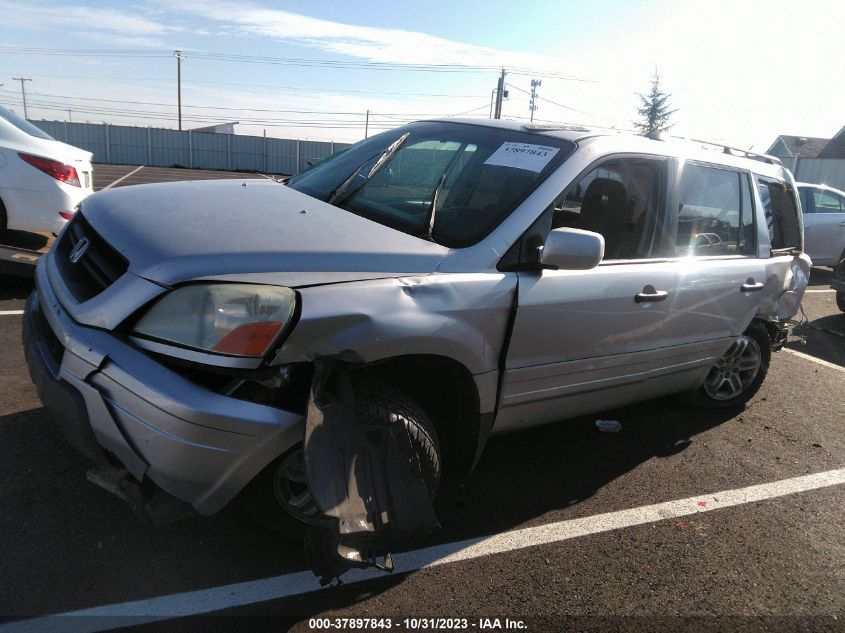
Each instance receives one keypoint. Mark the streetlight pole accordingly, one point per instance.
(23, 93)
(500, 95)
(179, 57)
(535, 83)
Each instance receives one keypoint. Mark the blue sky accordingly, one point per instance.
(741, 72)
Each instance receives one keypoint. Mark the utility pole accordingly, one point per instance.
(367, 124)
(500, 95)
(179, 57)
(69, 118)
(492, 94)
(535, 83)
(23, 93)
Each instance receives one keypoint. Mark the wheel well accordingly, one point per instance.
(446, 391)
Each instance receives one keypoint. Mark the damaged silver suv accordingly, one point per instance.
(328, 347)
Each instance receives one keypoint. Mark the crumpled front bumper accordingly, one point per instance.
(108, 397)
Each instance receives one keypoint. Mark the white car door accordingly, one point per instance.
(824, 225)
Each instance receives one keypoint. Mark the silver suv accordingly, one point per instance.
(329, 346)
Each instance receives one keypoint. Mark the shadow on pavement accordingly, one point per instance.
(14, 287)
(48, 503)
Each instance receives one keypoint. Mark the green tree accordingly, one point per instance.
(655, 110)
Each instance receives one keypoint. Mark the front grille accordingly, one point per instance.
(44, 333)
(97, 269)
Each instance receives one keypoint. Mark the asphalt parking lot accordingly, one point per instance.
(750, 547)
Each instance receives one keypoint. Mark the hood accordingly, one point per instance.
(173, 232)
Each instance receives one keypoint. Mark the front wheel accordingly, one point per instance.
(279, 499)
(737, 376)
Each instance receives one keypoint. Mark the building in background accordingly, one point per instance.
(811, 159)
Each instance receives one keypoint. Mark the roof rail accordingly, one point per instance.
(727, 149)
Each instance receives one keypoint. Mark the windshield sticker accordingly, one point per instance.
(522, 156)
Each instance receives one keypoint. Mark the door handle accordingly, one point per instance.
(751, 286)
(650, 295)
(842, 224)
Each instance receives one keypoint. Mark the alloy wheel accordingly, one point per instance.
(735, 371)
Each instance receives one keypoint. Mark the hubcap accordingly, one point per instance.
(735, 371)
(291, 488)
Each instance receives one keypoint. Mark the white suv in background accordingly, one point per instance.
(824, 223)
(42, 180)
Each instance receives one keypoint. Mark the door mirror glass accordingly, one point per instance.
(572, 249)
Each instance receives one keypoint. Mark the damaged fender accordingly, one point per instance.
(363, 473)
(786, 280)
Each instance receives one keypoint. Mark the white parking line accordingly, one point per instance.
(122, 178)
(10, 312)
(245, 593)
(814, 359)
(819, 290)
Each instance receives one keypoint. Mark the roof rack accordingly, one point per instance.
(727, 149)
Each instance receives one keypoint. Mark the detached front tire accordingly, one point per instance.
(279, 499)
(737, 376)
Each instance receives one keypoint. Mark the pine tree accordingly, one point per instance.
(655, 110)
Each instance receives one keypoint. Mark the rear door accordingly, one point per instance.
(718, 286)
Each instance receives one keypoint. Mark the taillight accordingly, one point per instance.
(54, 168)
(66, 215)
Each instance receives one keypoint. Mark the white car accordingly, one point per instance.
(42, 180)
(824, 223)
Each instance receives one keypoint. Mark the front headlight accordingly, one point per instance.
(234, 319)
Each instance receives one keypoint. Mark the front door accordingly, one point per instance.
(582, 340)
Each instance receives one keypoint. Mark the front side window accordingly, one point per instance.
(715, 215)
(449, 182)
(620, 199)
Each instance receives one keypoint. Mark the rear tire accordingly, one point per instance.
(839, 274)
(278, 498)
(3, 219)
(737, 376)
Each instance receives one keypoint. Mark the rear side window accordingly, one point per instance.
(715, 215)
(781, 211)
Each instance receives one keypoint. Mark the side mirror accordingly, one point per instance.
(572, 249)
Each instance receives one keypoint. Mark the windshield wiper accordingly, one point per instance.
(432, 209)
(340, 194)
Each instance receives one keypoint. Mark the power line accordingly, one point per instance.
(566, 107)
(168, 105)
(330, 122)
(288, 61)
(241, 84)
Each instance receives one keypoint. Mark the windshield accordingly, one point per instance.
(450, 182)
(23, 125)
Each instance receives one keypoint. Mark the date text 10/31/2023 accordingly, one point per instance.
(416, 624)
